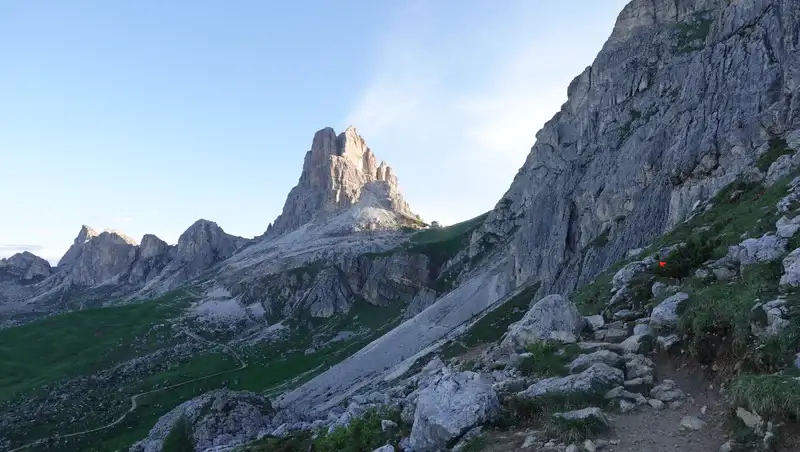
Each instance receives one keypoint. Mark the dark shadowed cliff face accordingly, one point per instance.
(683, 98)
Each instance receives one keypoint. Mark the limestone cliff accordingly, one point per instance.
(338, 172)
(684, 96)
(200, 247)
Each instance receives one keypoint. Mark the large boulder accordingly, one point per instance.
(547, 318)
(216, 418)
(751, 251)
(791, 269)
(599, 377)
(664, 317)
(449, 407)
(623, 276)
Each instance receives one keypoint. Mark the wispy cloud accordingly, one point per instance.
(456, 113)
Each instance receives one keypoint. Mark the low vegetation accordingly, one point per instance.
(548, 359)
(573, 430)
(491, 327)
(772, 396)
(365, 433)
(179, 438)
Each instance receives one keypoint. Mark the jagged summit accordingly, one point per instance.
(336, 171)
(26, 266)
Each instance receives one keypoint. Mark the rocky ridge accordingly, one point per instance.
(340, 172)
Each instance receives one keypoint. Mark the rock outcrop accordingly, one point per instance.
(86, 233)
(683, 98)
(547, 318)
(102, 259)
(216, 418)
(338, 173)
(449, 407)
(26, 266)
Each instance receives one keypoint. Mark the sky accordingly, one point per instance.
(146, 116)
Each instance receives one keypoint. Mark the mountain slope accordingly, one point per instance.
(682, 99)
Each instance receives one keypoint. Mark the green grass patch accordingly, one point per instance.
(492, 326)
(777, 353)
(297, 442)
(591, 298)
(362, 434)
(689, 34)
(521, 411)
(573, 430)
(777, 148)
(771, 396)
(476, 444)
(548, 359)
(719, 313)
(82, 342)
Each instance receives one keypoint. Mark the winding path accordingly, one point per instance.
(135, 398)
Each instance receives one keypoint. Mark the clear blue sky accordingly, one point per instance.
(146, 115)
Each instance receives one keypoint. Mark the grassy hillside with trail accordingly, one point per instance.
(78, 371)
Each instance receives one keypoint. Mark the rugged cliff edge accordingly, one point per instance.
(683, 97)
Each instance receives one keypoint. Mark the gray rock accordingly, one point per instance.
(786, 227)
(449, 407)
(769, 319)
(595, 321)
(667, 391)
(385, 448)
(750, 419)
(751, 251)
(638, 343)
(614, 335)
(666, 342)
(791, 269)
(692, 423)
(641, 329)
(783, 166)
(657, 404)
(639, 366)
(26, 266)
(387, 425)
(583, 362)
(627, 314)
(659, 289)
(598, 377)
(216, 418)
(664, 317)
(551, 313)
(627, 273)
(621, 393)
(592, 414)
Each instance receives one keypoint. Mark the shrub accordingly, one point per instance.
(777, 148)
(362, 434)
(683, 260)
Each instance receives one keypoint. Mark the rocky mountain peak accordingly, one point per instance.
(84, 235)
(335, 172)
(26, 265)
(151, 246)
